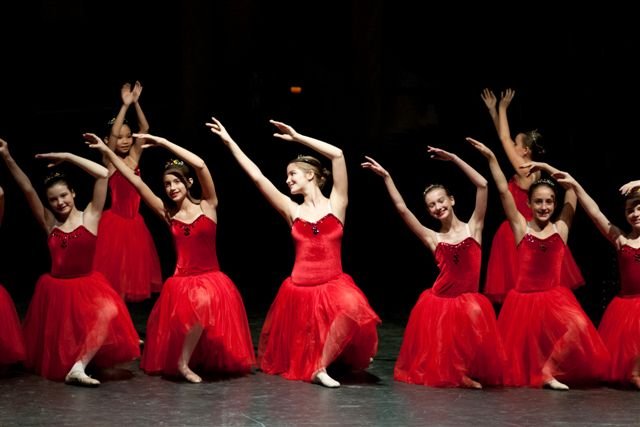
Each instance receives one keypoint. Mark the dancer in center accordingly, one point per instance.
(319, 316)
(451, 338)
(547, 336)
(199, 321)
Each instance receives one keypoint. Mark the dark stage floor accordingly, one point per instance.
(367, 399)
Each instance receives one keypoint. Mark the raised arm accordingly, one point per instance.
(516, 220)
(281, 202)
(143, 124)
(490, 101)
(608, 230)
(339, 194)
(154, 202)
(629, 186)
(194, 161)
(43, 216)
(426, 235)
(476, 222)
(130, 97)
(93, 211)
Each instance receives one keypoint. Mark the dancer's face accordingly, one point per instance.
(124, 141)
(61, 199)
(298, 178)
(439, 204)
(543, 202)
(522, 150)
(175, 187)
(632, 213)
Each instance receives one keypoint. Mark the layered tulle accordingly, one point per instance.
(11, 340)
(620, 331)
(547, 334)
(72, 317)
(448, 339)
(126, 255)
(212, 301)
(310, 327)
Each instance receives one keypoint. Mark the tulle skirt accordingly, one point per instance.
(549, 328)
(309, 327)
(502, 267)
(127, 256)
(71, 317)
(447, 339)
(11, 340)
(212, 301)
(620, 331)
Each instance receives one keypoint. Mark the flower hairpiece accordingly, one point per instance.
(173, 163)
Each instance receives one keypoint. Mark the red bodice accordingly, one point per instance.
(629, 267)
(539, 262)
(318, 250)
(125, 200)
(195, 245)
(71, 253)
(459, 266)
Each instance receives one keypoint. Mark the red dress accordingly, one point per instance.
(620, 325)
(11, 340)
(126, 253)
(452, 330)
(541, 318)
(75, 311)
(198, 293)
(502, 268)
(319, 314)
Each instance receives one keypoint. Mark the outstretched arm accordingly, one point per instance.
(608, 230)
(283, 204)
(339, 195)
(43, 216)
(476, 222)
(515, 218)
(426, 235)
(143, 124)
(629, 186)
(154, 202)
(490, 101)
(93, 211)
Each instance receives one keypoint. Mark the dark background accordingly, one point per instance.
(380, 78)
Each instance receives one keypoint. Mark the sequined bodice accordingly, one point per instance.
(629, 266)
(521, 197)
(539, 262)
(71, 253)
(318, 250)
(125, 200)
(459, 266)
(195, 245)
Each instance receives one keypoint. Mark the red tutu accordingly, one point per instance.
(536, 325)
(309, 327)
(125, 252)
(71, 317)
(620, 331)
(11, 341)
(447, 339)
(211, 300)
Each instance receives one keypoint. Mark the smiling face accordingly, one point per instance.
(632, 211)
(542, 202)
(61, 199)
(299, 176)
(439, 203)
(176, 186)
(124, 140)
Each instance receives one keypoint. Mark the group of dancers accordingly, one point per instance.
(198, 326)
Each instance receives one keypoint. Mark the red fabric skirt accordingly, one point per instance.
(309, 327)
(212, 301)
(502, 268)
(551, 326)
(447, 339)
(71, 317)
(11, 340)
(620, 331)
(127, 256)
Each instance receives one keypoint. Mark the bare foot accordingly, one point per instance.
(469, 383)
(554, 384)
(189, 375)
(324, 379)
(81, 379)
(635, 380)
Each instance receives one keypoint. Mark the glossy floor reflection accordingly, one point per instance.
(370, 398)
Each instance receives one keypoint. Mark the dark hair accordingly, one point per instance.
(540, 183)
(531, 140)
(433, 187)
(310, 163)
(180, 170)
(632, 199)
(56, 177)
